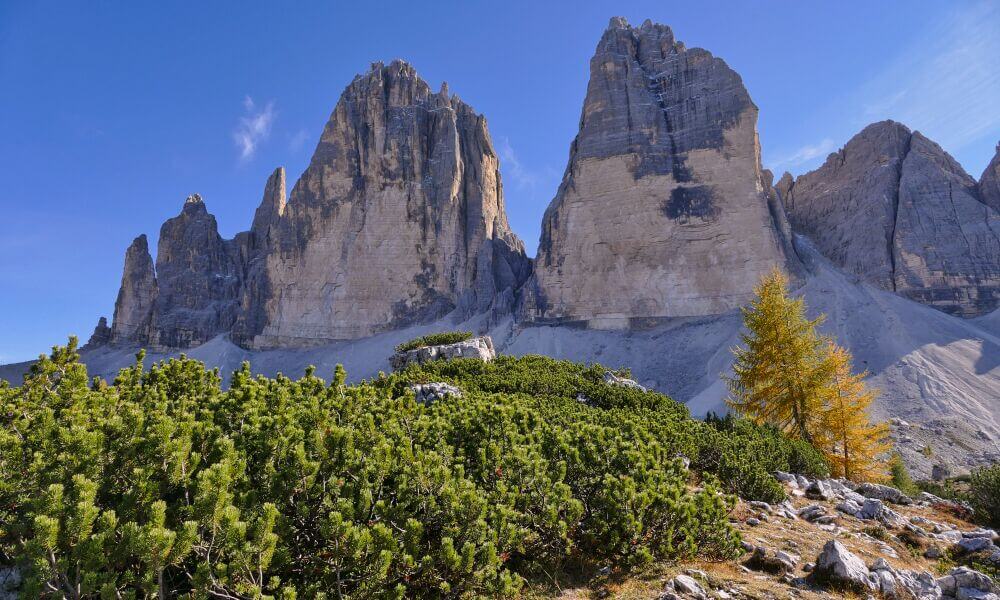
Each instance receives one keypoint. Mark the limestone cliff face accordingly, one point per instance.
(255, 245)
(664, 209)
(199, 279)
(895, 209)
(137, 296)
(989, 182)
(189, 297)
(399, 218)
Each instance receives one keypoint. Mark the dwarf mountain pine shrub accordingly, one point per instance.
(164, 484)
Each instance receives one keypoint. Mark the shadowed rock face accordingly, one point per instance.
(399, 218)
(198, 274)
(191, 296)
(989, 183)
(664, 209)
(895, 209)
(137, 295)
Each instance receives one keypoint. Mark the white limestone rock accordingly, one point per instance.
(478, 347)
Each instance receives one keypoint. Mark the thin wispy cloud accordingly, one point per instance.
(804, 154)
(297, 141)
(253, 128)
(514, 169)
(947, 84)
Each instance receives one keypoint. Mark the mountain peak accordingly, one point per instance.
(644, 180)
(893, 208)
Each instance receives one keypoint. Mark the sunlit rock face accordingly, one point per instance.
(398, 219)
(895, 209)
(664, 208)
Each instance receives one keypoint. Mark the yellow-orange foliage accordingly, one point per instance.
(788, 375)
(854, 446)
(779, 371)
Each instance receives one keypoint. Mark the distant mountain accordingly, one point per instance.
(895, 209)
(398, 219)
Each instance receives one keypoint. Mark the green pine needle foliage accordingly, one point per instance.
(164, 484)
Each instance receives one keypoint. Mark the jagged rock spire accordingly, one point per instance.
(137, 296)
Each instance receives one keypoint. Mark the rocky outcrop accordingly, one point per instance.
(398, 219)
(133, 316)
(102, 334)
(664, 208)
(480, 348)
(896, 210)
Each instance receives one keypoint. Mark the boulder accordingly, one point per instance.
(820, 490)
(770, 561)
(975, 544)
(612, 379)
(839, 566)
(875, 510)
(785, 478)
(849, 507)
(429, 393)
(685, 584)
(479, 347)
(898, 584)
(883, 492)
(963, 582)
(812, 512)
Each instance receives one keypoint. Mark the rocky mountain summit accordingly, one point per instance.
(895, 209)
(664, 208)
(192, 293)
(399, 219)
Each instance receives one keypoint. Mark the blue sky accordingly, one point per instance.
(112, 113)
